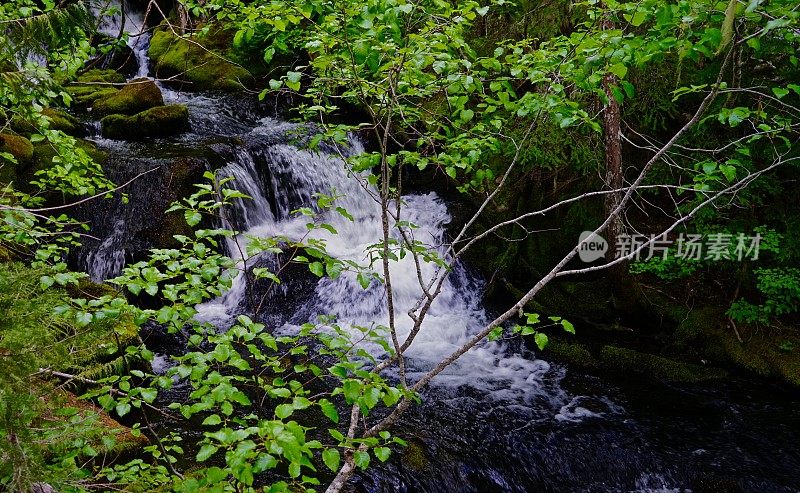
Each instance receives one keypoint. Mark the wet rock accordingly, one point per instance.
(195, 67)
(136, 96)
(160, 121)
(275, 304)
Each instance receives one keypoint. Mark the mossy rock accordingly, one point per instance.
(571, 352)
(43, 154)
(100, 75)
(85, 96)
(414, 456)
(137, 96)
(199, 67)
(111, 438)
(59, 120)
(628, 360)
(161, 121)
(17, 145)
(91, 290)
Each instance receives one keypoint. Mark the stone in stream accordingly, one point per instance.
(136, 96)
(160, 121)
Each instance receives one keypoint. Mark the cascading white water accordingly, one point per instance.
(138, 37)
(108, 259)
(295, 175)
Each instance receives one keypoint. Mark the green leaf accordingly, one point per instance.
(317, 269)
(123, 408)
(779, 92)
(382, 453)
(361, 459)
(331, 458)
(212, 420)
(352, 390)
(619, 69)
(568, 327)
(329, 410)
(728, 171)
(148, 395)
(364, 280)
(193, 218)
(283, 411)
(205, 452)
(541, 340)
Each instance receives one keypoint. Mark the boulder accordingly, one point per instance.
(94, 85)
(18, 146)
(22, 150)
(197, 67)
(135, 97)
(161, 121)
(59, 120)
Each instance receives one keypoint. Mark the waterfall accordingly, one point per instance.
(136, 29)
(281, 177)
(108, 259)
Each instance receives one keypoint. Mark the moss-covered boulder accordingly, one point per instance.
(136, 96)
(18, 146)
(628, 360)
(197, 67)
(161, 121)
(571, 352)
(58, 120)
(101, 76)
(94, 85)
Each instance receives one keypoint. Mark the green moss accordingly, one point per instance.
(135, 97)
(85, 96)
(97, 75)
(160, 121)
(90, 289)
(201, 68)
(59, 120)
(571, 352)
(628, 360)
(18, 146)
(414, 456)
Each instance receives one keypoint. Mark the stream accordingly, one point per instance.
(501, 418)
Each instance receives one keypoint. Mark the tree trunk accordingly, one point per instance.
(621, 286)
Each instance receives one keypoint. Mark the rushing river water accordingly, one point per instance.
(502, 418)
